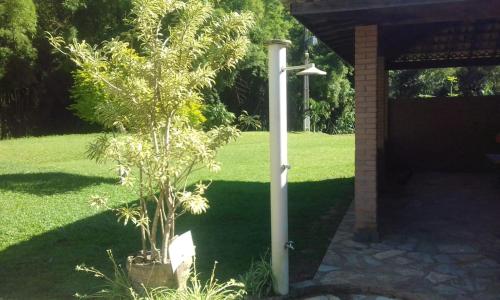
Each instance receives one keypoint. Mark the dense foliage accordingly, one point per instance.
(40, 91)
(335, 115)
(472, 81)
(18, 26)
(43, 97)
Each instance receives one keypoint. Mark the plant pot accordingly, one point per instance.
(154, 274)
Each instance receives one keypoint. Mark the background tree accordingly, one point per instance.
(468, 81)
(492, 85)
(17, 27)
(334, 89)
(93, 21)
(18, 21)
(246, 88)
(35, 85)
(473, 81)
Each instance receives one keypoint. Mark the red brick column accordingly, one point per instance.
(369, 129)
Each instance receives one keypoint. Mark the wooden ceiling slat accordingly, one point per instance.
(451, 44)
(398, 40)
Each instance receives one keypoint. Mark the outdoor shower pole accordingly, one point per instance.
(279, 163)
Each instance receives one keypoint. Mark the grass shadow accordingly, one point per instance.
(235, 230)
(49, 183)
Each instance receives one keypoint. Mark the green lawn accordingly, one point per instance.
(47, 227)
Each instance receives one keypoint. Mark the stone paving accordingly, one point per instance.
(351, 297)
(440, 239)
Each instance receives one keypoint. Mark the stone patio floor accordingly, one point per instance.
(440, 239)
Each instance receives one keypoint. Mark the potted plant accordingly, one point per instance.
(150, 91)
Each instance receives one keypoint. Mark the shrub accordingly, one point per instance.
(248, 122)
(216, 114)
(345, 123)
(319, 112)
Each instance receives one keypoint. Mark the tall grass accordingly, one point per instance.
(259, 279)
(118, 287)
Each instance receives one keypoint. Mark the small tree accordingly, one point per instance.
(153, 93)
(452, 79)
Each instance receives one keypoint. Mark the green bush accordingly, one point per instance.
(86, 96)
(216, 115)
(249, 122)
(345, 123)
(319, 112)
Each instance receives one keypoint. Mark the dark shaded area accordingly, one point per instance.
(49, 183)
(445, 208)
(35, 92)
(443, 134)
(234, 231)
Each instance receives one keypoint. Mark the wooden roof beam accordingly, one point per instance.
(406, 14)
(445, 63)
(337, 6)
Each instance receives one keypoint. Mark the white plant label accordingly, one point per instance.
(181, 249)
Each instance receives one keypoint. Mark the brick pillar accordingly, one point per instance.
(367, 84)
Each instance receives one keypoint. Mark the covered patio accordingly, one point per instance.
(423, 224)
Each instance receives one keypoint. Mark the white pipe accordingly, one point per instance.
(279, 164)
(295, 68)
(307, 116)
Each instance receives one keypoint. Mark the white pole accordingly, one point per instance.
(279, 164)
(307, 118)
